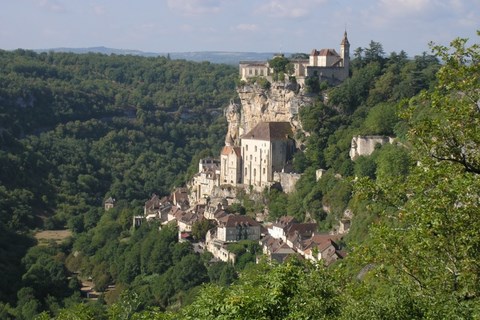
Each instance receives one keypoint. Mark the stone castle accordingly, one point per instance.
(326, 64)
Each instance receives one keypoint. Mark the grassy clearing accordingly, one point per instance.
(44, 237)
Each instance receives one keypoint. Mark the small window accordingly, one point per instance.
(245, 171)
(254, 172)
(255, 148)
(263, 170)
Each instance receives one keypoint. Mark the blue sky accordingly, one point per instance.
(236, 25)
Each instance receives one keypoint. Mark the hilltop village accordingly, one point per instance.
(259, 146)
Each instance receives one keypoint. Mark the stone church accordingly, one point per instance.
(265, 149)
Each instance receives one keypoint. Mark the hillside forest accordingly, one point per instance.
(76, 129)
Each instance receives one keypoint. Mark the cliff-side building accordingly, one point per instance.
(326, 64)
(231, 165)
(264, 150)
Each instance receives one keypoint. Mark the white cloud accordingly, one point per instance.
(195, 7)
(98, 10)
(406, 6)
(186, 27)
(288, 8)
(148, 26)
(51, 5)
(246, 27)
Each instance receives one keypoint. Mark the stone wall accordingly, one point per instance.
(365, 145)
(287, 180)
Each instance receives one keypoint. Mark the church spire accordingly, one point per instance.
(345, 39)
(345, 54)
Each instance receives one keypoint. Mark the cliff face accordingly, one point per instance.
(280, 103)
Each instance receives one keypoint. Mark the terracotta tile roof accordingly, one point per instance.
(190, 217)
(219, 214)
(110, 200)
(180, 195)
(324, 53)
(321, 241)
(200, 208)
(232, 220)
(270, 131)
(153, 202)
(284, 221)
(229, 149)
(301, 229)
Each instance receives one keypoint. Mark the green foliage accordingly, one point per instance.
(365, 167)
(200, 229)
(353, 92)
(312, 84)
(320, 121)
(78, 312)
(381, 120)
(245, 253)
(222, 273)
(264, 83)
(393, 163)
(279, 64)
(93, 126)
(277, 204)
(424, 250)
(270, 292)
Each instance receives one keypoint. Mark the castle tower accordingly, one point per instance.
(345, 53)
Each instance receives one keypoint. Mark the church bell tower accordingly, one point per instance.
(345, 53)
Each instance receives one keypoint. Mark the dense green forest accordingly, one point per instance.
(76, 129)
(79, 128)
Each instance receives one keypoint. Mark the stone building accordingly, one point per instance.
(231, 165)
(109, 204)
(250, 69)
(365, 145)
(264, 150)
(326, 64)
(233, 228)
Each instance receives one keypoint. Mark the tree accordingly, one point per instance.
(200, 229)
(270, 292)
(189, 272)
(279, 64)
(365, 167)
(374, 52)
(427, 246)
(393, 163)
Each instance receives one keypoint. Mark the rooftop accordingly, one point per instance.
(270, 131)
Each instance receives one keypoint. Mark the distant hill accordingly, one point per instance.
(198, 56)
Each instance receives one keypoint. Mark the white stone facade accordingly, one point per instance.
(265, 150)
(365, 145)
(231, 166)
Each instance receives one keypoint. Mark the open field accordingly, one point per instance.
(44, 237)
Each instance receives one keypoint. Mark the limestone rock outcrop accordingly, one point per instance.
(280, 103)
